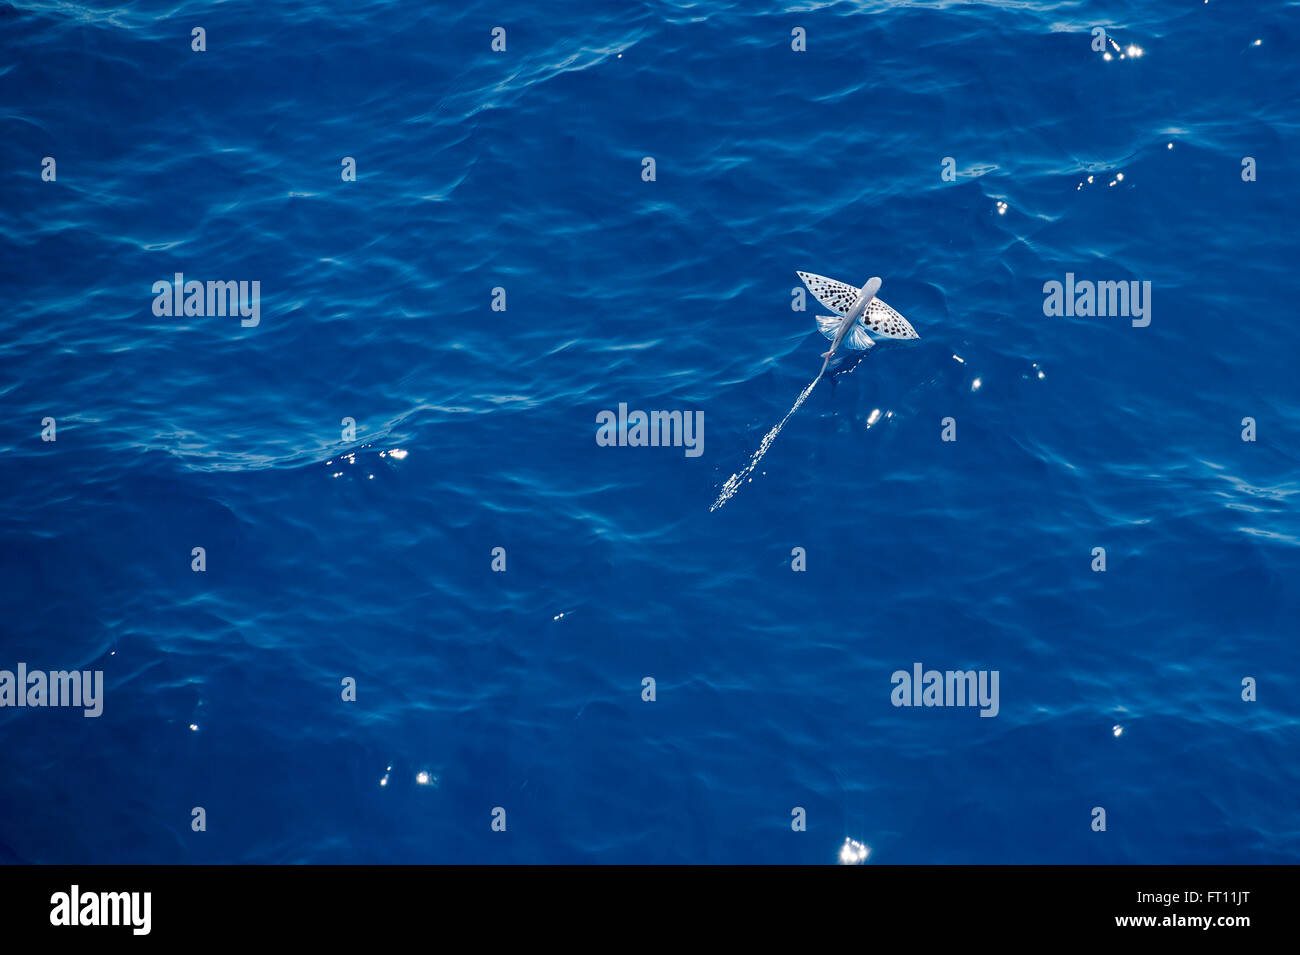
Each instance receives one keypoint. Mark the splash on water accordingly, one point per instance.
(733, 483)
(854, 852)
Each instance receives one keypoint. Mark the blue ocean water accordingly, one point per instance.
(329, 557)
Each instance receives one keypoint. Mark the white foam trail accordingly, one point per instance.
(733, 483)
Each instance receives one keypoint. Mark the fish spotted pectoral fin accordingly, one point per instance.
(837, 296)
(857, 338)
(886, 322)
(828, 325)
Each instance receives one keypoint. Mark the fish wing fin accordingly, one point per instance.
(839, 297)
(857, 338)
(886, 322)
(828, 325)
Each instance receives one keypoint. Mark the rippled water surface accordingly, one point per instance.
(370, 557)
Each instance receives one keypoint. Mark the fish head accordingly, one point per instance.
(872, 286)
